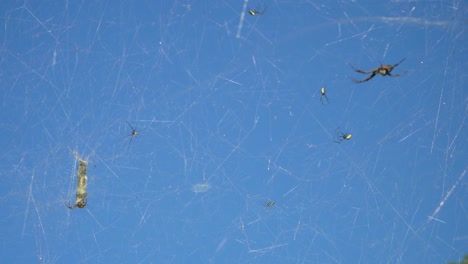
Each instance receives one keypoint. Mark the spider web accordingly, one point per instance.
(229, 118)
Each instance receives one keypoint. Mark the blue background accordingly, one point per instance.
(227, 106)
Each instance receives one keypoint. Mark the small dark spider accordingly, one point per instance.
(134, 133)
(254, 12)
(323, 94)
(340, 136)
(383, 70)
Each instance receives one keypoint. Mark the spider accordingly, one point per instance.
(340, 136)
(271, 203)
(382, 70)
(254, 12)
(323, 94)
(134, 133)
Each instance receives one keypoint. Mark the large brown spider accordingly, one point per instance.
(382, 70)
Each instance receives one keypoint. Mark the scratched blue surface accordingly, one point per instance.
(194, 116)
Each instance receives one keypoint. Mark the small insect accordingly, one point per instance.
(254, 12)
(340, 136)
(81, 192)
(383, 70)
(271, 203)
(323, 94)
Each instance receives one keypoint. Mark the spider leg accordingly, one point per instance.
(261, 10)
(69, 206)
(338, 136)
(366, 79)
(362, 71)
(394, 75)
(398, 63)
(131, 127)
(131, 137)
(323, 96)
